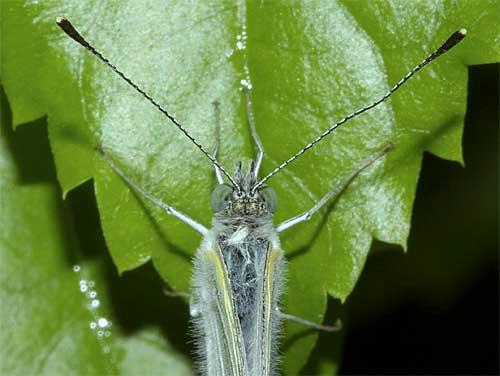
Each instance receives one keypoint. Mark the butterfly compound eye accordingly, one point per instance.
(220, 197)
(270, 198)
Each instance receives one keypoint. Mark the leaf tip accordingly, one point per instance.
(65, 193)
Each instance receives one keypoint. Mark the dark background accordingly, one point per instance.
(411, 316)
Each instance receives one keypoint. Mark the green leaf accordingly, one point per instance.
(61, 311)
(309, 65)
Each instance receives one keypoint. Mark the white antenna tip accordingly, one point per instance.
(60, 19)
(463, 31)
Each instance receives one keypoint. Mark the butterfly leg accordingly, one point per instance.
(326, 328)
(169, 209)
(253, 132)
(332, 193)
(175, 294)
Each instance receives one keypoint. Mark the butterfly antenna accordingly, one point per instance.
(69, 29)
(453, 40)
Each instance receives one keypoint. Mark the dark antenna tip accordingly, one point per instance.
(452, 41)
(69, 29)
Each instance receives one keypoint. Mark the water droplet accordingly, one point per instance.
(246, 83)
(92, 294)
(76, 268)
(95, 303)
(102, 322)
(93, 325)
(240, 46)
(91, 283)
(100, 333)
(83, 288)
(107, 333)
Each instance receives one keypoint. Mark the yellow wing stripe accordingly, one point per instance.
(273, 256)
(228, 316)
